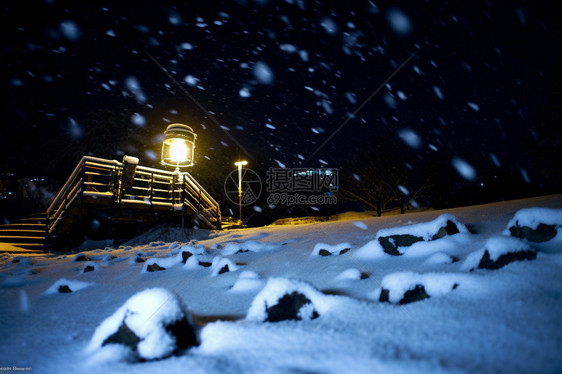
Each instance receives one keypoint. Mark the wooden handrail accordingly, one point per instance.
(148, 183)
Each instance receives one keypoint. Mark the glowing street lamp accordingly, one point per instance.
(179, 146)
(240, 164)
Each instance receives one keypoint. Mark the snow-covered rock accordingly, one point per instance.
(138, 258)
(540, 226)
(439, 258)
(394, 240)
(407, 287)
(247, 246)
(351, 274)
(89, 266)
(66, 286)
(157, 264)
(221, 265)
(322, 249)
(183, 255)
(81, 257)
(498, 252)
(187, 251)
(288, 299)
(153, 324)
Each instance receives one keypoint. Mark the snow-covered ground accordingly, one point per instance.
(485, 321)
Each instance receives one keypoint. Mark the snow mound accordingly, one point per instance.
(190, 255)
(248, 281)
(393, 240)
(155, 264)
(439, 258)
(407, 287)
(153, 324)
(371, 250)
(498, 252)
(541, 226)
(187, 251)
(138, 258)
(66, 286)
(200, 258)
(247, 246)
(533, 217)
(349, 274)
(288, 299)
(221, 265)
(322, 249)
(81, 257)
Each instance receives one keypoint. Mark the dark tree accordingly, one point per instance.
(548, 147)
(382, 180)
(103, 134)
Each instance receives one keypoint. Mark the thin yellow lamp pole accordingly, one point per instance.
(240, 164)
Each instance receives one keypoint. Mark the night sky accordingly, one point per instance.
(279, 77)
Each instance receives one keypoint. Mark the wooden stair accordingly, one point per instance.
(27, 233)
(118, 195)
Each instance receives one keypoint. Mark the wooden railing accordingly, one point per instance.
(199, 200)
(131, 186)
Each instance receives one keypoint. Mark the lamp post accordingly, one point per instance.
(240, 164)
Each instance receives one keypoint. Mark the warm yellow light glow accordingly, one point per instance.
(241, 163)
(178, 146)
(179, 151)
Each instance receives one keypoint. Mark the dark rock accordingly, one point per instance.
(15, 260)
(487, 263)
(288, 308)
(89, 268)
(345, 250)
(324, 252)
(542, 233)
(64, 289)
(205, 264)
(154, 267)
(184, 334)
(242, 251)
(364, 275)
(384, 296)
(414, 295)
(224, 269)
(123, 336)
(139, 259)
(185, 255)
(391, 243)
(449, 229)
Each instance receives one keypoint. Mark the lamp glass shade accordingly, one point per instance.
(178, 146)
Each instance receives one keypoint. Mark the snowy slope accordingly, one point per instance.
(504, 320)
